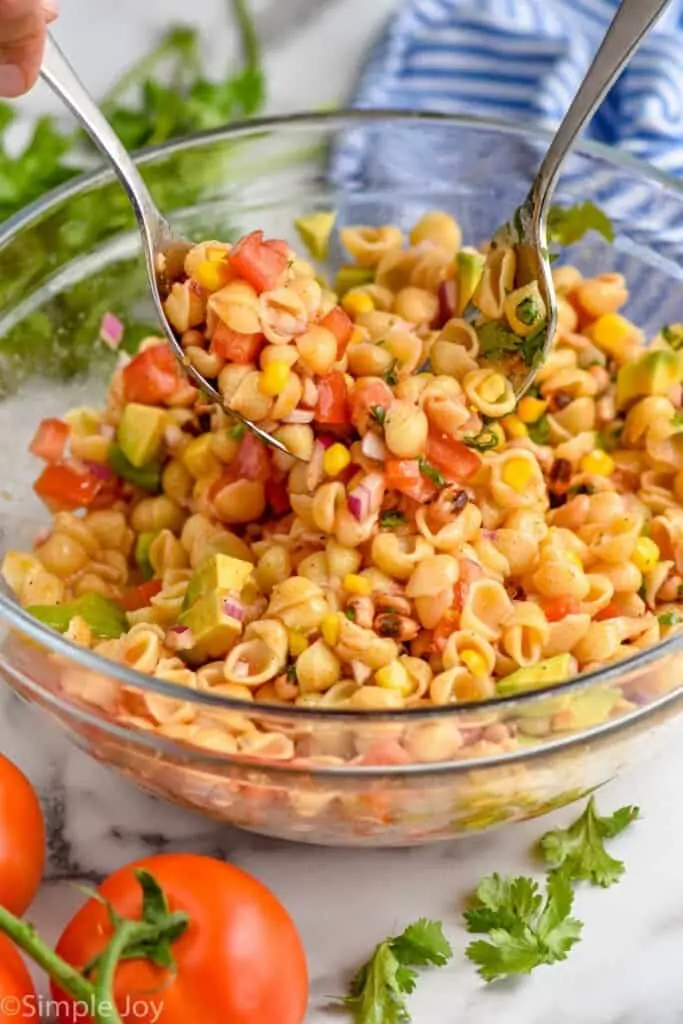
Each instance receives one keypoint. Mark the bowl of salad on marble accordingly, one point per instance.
(447, 609)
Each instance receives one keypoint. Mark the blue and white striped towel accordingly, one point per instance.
(523, 60)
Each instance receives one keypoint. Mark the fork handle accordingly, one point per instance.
(632, 20)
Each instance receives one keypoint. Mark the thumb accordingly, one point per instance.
(22, 37)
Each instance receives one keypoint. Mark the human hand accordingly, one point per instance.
(22, 37)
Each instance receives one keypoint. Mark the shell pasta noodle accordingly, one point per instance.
(436, 543)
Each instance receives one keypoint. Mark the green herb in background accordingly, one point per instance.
(569, 224)
(379, 989)
(162, 97)
(579, 850)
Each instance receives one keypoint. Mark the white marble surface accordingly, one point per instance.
(627, 968)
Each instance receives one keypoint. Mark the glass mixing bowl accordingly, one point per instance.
(337, 777)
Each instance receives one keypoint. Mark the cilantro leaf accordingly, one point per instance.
(391, 376)
(579, 850)
(495, 340)
(523, 930)
(528, 311)
(391, 518)
(673, 336)
(379, 988)
(569, 224)
(669, 619)
(532, 346)
(432, 473)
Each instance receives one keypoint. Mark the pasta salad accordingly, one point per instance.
(429, 541)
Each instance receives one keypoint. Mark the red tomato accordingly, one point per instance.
(50, 440)
(140, 596)
(63, 488)
(240, 961)
(453, 458)
(446, 625)
(367, 394)
(332, 405)
(469, 572)
(261, 263)
(557, 608)
(236, 347)
(152, 376)
(610, 611)
(277, 496)
(18, 1001)
(340, 323)
(22, 839)
(252, 461)
(404, 475)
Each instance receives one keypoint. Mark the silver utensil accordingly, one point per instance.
(164, 251)
(526, 232)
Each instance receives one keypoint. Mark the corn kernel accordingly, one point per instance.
(211, 275)
(274, 377)
(330, 630)
(475, 662)
(517, 473)
(355, 584)
(198, 457)
(395, 677)
(336, 459)
(357, 336)
(514, 426)
(611, 332)
(355, 303)
(646, 554)
(598, 463)
(531, 409)
(492, 388)
(297, 642)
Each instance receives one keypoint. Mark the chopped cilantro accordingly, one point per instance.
(579, 851)
(677, 419)
(391, 376)
(532, 345)
(432, 473)
(569, 224)
(236, 431)
(379, 414)
(495, 340)
(580, 489)
(669, 619)
(607, 440)
(673, 335)
(528, 311)
(350, 614)
(392, 518)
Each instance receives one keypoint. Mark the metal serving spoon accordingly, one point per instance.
(526, 232)
(164, 251)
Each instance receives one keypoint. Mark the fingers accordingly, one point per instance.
(22, 37)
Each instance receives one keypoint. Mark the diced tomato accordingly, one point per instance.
(385, 752)
(340, 323)
(277, 496)
(454, 459)
(610, 611)
(332, 406)
(262, 263)
(236, 347)
(50, 440)
(367, 394)
(152, 376)
(140, 596)
(446, 625)
(63, 488)
(252, 461)
(469, 572)
(404, 475)
(557, 608)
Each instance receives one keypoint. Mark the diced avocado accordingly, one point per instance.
(142, 546)
(469, 265)
(214, 631)
(105, 618)
(315, 230)
(548, 672)
(655, 373)
(351, 277)
(147, 478)
(219, 572)
(586, 709)
(141, 432)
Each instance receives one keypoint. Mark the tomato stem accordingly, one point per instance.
(24, 935)
(105, 1007)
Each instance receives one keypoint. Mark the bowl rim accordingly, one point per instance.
(55, 643)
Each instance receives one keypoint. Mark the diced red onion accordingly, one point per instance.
(326, 440)
(173, 435)
(373, 446)
(180, 638)
(108, 431)
(233, 607)
(99, 470)
(361, 673)
(299, 416)
(490, 534)
(111, 330)
(366, 498)
(447, 299)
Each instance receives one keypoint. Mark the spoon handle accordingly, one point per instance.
(632, 21)
(63, 80)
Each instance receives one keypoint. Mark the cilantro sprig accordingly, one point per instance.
(569, 224)
(579, 851)
(523, 928)
(379, 989)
